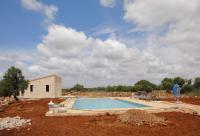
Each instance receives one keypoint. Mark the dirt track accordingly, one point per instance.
(181, 124)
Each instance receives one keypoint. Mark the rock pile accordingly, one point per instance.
(140, 117)
(15, 122)
(4, 101)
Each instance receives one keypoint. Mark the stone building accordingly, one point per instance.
(44, 87)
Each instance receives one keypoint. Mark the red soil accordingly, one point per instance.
(180, 124)
(189, 100)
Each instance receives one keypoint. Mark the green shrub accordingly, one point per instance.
(186, 89)
(77, 87)
(167, 84)
(197, 83)
(144, 85)
(180, 81)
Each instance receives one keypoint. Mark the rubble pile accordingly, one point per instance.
(4, 101)
(15, 122)
(140, 117)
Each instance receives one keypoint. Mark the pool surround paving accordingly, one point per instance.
(153, 107)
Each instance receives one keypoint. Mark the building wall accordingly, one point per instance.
(39, 88)
(58, 86)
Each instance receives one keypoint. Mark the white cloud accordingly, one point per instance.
(103, 31)
(36, 5)
(79, 58)
(18, 58)
(63, 41)
(175, 26)
(157, 13)
(108, 3)
(94, 62)
(170, 46)
(8, 59)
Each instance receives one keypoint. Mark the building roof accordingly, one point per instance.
(45, 77)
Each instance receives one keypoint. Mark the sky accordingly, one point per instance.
(101, 42)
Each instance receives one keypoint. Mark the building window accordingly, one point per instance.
(31, 88)
(47, 88)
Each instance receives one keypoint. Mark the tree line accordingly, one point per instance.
(13, 82)
(143, 85)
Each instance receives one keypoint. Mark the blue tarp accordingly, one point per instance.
(174, 90)
(178, 90)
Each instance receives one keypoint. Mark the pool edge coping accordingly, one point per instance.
(153, 107)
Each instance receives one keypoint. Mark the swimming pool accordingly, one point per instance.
(104, 103)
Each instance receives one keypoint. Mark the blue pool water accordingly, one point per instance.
(104, 103)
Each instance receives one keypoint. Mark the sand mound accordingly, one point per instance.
(140, 117)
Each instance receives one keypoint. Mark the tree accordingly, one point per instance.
(119, 88)
(189, 82)
(13, 82)
(78, 87)
(167, 84)
(186, 88)
(4, 88)
(109, 88)
(144, 85)
(180, 81)
(197, 83)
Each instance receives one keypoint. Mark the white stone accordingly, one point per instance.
(15, 122)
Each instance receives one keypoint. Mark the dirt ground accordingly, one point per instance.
(106, 125)
(189, 100)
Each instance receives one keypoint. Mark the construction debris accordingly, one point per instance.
(15, 122)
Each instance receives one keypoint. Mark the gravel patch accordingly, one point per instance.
(15, 122)
(140, 117)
